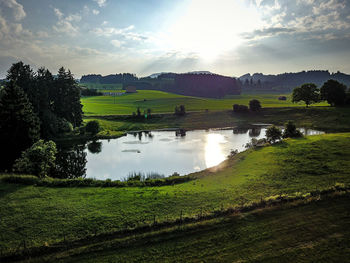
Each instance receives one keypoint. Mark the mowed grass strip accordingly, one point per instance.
(43, 214)
(313, 232)
(163, 102)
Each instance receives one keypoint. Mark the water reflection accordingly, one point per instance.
(164, 152)
(70, 162)
(95, 147)
(214, 150)
(254, 132)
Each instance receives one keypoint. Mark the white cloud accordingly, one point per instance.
(101, 3)
(95, 12)
(104, 23)
(110, 31)
(65, 23)
(117, 43)
(58, 13)
(17, 9)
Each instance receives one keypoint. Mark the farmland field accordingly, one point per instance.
(162, 102)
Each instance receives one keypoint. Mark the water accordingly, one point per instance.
(166, 152)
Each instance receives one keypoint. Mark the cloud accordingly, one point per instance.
(268, 32)
(95, 12)
(17, 9)
(101, 3)
(117, 43)
(65, 23)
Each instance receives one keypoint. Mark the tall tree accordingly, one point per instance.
(66, 98)
(307, 92)
(333, 92)
(19, 125)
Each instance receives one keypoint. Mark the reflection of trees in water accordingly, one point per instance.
(240, 130)
(70, 163)
(180, 132)
(95, 147)
(255, 132)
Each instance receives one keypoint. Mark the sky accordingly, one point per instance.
(229, 37)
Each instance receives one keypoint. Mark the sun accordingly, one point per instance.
(209, 28)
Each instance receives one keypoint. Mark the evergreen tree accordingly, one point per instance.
(19, 125)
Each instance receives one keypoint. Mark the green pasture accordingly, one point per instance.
(46, 215)
(162, 102)
(313, 232)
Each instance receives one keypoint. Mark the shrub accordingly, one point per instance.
(240, 108)
(180, 110)
(254, 105)
(282, 98)
(93, 127)
(290, 131)
(273, 134)
(38, 159)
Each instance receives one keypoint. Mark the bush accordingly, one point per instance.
(38, 159)
(290, 131)
(273, 134)
(282, 98)
(93, 127)
(240, 108)
(180, 110)
(254, 105)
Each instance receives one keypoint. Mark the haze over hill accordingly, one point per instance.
(288, 81)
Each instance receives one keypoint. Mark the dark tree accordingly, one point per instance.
(308, 93)
(333, 92)
(93, 127)
(254, 105)
(290, 131)
(19, 125)
(273, 134)
(66, 98)
(240, 108)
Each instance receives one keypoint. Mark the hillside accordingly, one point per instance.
(288, 81)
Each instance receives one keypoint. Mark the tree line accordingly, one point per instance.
(332, 91)
(36, 105)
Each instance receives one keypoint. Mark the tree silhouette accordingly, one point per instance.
(307, 92)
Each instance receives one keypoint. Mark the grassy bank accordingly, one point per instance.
(312, 232)
(162, 102)
(48, 214)
(322, 118)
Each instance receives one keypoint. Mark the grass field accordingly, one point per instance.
(162, 102)
(328, 119)
(313, 232)
(43, 214)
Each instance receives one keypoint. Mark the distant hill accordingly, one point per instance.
(162, 74)
(288, 81)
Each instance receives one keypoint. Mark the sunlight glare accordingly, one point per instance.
(213, 150)
(209, 28)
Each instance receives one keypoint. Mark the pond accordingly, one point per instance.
(160, 152)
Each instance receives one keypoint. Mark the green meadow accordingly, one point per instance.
(313, 232)
(162, 102)
(43, 216)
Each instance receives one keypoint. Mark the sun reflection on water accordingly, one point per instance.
(213, 149)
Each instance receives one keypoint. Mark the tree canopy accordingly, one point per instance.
(19, 125)
(307, 92)
(333, 92)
